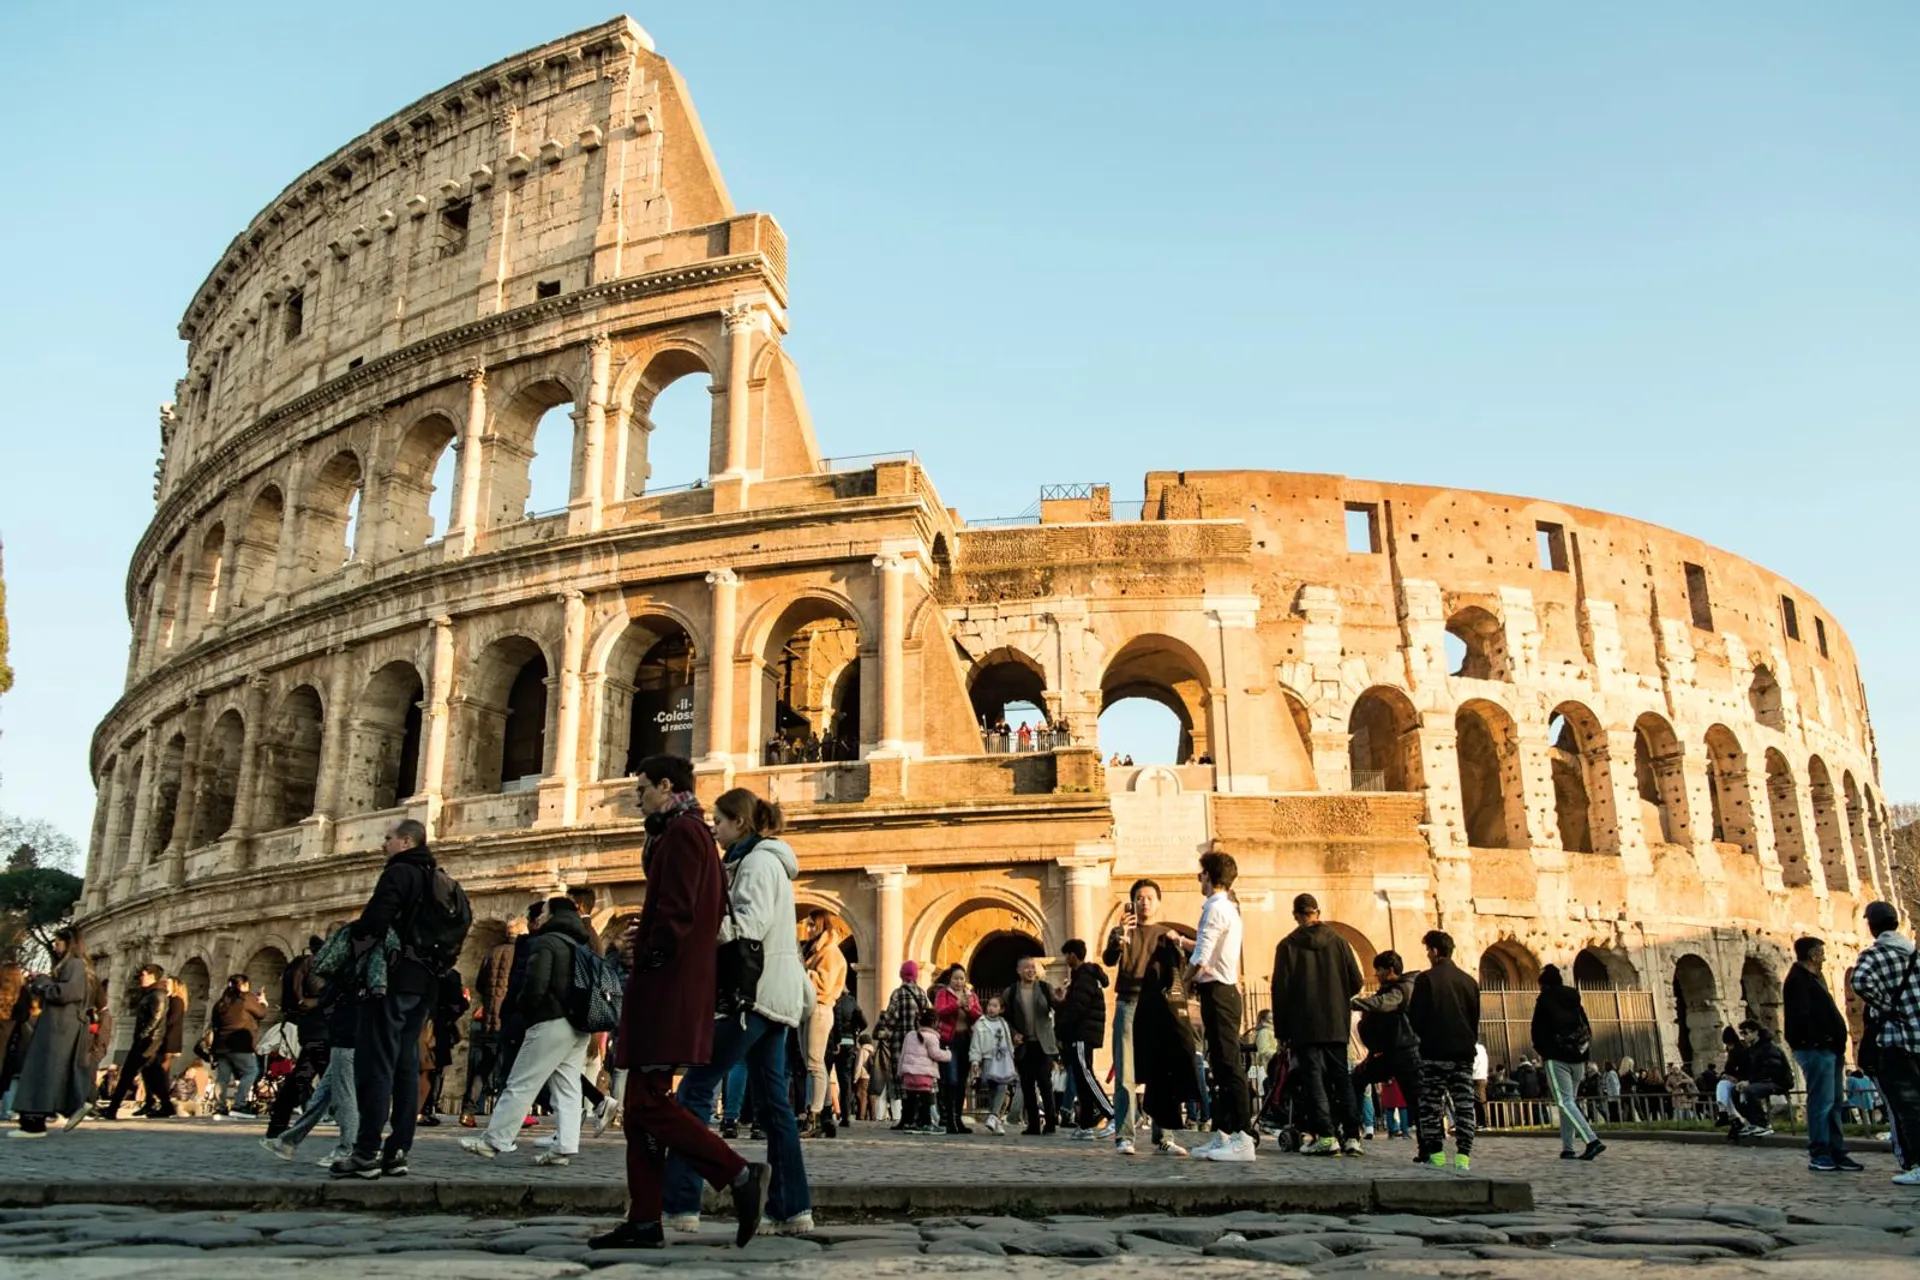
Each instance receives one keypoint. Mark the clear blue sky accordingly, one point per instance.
(1656, 259)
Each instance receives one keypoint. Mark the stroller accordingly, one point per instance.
(1276, 1117)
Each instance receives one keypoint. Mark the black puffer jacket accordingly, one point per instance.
(1315, 978)
(1560, 1025)
(542, 994)
(1383, 1018)
(1082, 1015)
(1445, 1012)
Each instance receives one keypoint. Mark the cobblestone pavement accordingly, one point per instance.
(1643, 1207)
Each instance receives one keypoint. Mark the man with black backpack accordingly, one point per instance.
(428, 911)
(1890, 1052)
(554, 1050)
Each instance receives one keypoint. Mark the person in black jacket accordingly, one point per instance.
(1445, 1013)
(1080, 1023)
(149, 1034)
(1393, 1050)
(1817, 1034)
(1315, 978)
(1762, 1072)
(338, 1006)
(1562, 1037)
(300, 1003)
(1030, 1003)
(159, 1078)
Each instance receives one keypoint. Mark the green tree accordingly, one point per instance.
(37, 889)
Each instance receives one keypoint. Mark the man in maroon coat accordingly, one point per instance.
(666, 1021)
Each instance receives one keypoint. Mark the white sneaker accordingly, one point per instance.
(994, 1125)
(1105, 1131)
(799, 1224)
(1352, 1147)
(1124, 1147)
(602, 1115)
(1168, 1147)
(1367, 1132)
(553, 1159)
(481, 1147)
(1911, 1178)
(1238, 1148)
(1216, 1141)
(276, 1147)
(687, 1224)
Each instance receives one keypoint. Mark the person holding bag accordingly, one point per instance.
(763, 992)
(1890, 1051)
(1563, 1037)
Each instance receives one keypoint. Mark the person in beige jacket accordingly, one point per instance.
(820, 937)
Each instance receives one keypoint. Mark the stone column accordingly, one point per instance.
(566, 748)
(590, 488)
(890, 917)
(1243, 735)
(725, 584)
(740, 323)
(330, 796)
(183, 805)
(464, 527)
(129, 871)
(1088, 880)
(892, 570)
(246, 785)
(433, 768)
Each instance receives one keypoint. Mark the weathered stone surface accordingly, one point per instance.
(1713, 1235)
(961, 1246)
(1149, 1246)
(1194, 1235)
(1277, 1249)
(1056, 1244)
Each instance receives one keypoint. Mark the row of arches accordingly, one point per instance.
(1848, 831)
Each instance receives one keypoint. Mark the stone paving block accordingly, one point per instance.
(962, 1246)
(1294, 1249)
(1642, 1252)
(1191, 1235)
(1151, 1247)
(147, 1251)
(1716, 1235)
(1853, 1237)
(1056, 1244)
(1852, 1215)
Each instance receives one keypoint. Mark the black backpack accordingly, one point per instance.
(593, 1001)
(441, 922)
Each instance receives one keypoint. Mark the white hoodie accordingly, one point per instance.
(760, 886)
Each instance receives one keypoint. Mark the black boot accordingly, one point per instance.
(630, 1235)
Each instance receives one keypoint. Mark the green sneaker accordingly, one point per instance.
(1321, 1147)
(1463, 1163)
(1438, 1159)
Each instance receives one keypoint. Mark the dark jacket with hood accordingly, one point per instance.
(1315, 978)
(1383, 1018)
(1814, 1021)
(1560, 1025)
(149, 1020)
(542, 995)
(404, 884)
(1445, 1012)
(1082, 1015)
(1767, 1064)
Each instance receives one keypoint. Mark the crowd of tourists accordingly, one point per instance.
(713, 1014)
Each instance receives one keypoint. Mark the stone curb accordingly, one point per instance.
(1687, 1137)
(1448, 1197)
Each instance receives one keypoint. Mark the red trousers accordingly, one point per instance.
(655, 1123)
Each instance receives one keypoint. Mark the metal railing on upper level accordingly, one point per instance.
(861, 461)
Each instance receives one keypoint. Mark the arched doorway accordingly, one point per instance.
(385, 738)
(1660, 781)
(1476, 645)
(1760, 993)
(196, 982)
(1381, 750)
(290, 762)
(503, 718)
(849, 946)
(1007, 688)
(1162, 670)
(996, 959)
(1508, 966)
(648, 699)
(810, 699)
(1493, 811)
(1696, 1002)
(263, 970)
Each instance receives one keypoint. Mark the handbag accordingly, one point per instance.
(1868, 1055)
(737, 965)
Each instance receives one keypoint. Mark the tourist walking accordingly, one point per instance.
(1445, 1012)
(955, 1005)
(992, 1053)
(826, 968)
(900, 1019)
(667, 1017)
(54, 1078)
(149, 1033)
(335, 1096)
(1213, 971)
(1393, 1050)
(1563, 1036)
(1817, 1034)
(751, 1031)
(427, 912)
(236, 1040)
(921, 1054)
(484, 1035)
(300, 1005)
(1030, 1004)
(1884, 979)
(1131, 947)
(1080, 1023)
(1316, 979)
(160, 1104)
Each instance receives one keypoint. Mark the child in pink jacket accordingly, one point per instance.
(920, 1057)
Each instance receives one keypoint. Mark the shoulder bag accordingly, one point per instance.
(1868, 1056)
(739, 963)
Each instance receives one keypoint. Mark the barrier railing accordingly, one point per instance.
(1789, 1111)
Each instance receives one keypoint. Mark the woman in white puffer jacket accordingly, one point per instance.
(760, 871)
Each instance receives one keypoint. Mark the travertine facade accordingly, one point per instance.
(1636, 748)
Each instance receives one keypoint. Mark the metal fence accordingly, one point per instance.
(1624, 1025)
(1001, 744)
(1661, 1108)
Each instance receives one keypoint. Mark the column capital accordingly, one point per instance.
(600, 341)
(443, 623)
(476, 374)
(570, 596)
(892, 562)
(740, 319)
(894, 877)
(723, 577)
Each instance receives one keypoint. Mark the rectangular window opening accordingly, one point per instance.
(453, 227)
(295, 310)
(356, 362)
(546, 289)
(1820, 635)
(1363, 528)
(1697, 598)
(1790, 617)
(1551, 542)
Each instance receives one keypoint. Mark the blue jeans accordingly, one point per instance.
(762, 1045)
(242, 1070)
(334, 1094)
(1821, 1067)
(1122, 1069)
(733, 1104)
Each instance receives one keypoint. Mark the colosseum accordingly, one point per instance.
(1565, 736)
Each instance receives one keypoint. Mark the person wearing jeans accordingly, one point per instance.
(1562, 1036)
(1817, 1033)
(1885, 978)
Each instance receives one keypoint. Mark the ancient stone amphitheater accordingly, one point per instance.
(1565, 736)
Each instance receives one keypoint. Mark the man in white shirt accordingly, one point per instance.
(1214, 974)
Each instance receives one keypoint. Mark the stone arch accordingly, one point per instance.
(218, 779)
(166, 795)
(1357, 942)
(100, 858)
(520, 427)
(210, 576)
(1383, 747)
(170, 606)
(1299, 717)
(1857, 829)
(648, 700)
(1478, 646)
(1493, 809)
(1763, 695)
(1660, 780)
(1003, 678)
(1760, 992)
(329, 525)
(1827, 830)
(1162, 669)
(1729, 807)
(1696, 1001)
(1601, 968)
(807, 690)
(416, 479)
(1580, 781)
(1508, 965)
(384, 737)
(196, 980)
(993, 960)
(642, 451)
(853, 940)
(937, 936)
(1783, 810)
(481, 940)
(504, 716)
(264, 969)
(290, 755)
(258, 549)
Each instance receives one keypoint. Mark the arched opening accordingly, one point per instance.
(1509, 982)
(1783, 809)
(1878, 825)
(996, 960)
(1508, 966)
(1492, 806)
(264, 969)
(255, 555)
(1696, 1001)
(1826, 825)
(810, 684)
(530, 465)
(1381, 746)
(1579, 771)
(1727, 790)
(419, 489)
(196, 984)
(1357, 942)
(1660, 780)
(1760, 992)
(1604, 969)
(670, 430)
(1144, 731)
(383, 749)
(504, 718)
(290, 760)
(219, 779)
(550, 471)
(1008, 692)
(1764, 696)
(166, 798)
(328, 533)
(1857, 830)
(172, 630)
(1162, 670)
(481, 940)
(209, 577)
(1476, 645)
(649, 700)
